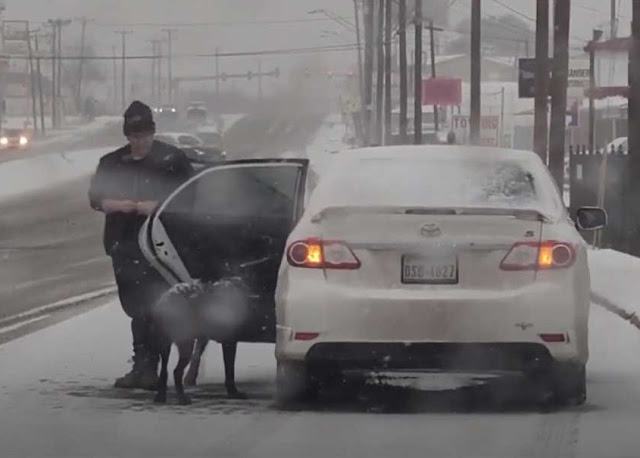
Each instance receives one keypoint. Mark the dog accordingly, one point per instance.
(198, 312)
(229, 350)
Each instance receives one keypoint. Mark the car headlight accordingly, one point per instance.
(23, 140)
(4, 141)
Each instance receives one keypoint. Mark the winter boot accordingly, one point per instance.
(133, 378)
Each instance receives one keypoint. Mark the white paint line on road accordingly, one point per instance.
(69, 302)
(39, 281)
(13, 327)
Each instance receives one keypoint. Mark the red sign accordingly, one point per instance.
(442, 91)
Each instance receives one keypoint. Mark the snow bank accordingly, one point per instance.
(614, 282)
(41, 172)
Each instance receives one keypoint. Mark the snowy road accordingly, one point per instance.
(56, 399)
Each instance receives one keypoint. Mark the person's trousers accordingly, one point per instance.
(139, 288)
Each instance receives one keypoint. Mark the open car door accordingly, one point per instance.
(232, 214)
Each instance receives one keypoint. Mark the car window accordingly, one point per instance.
(188, 140)
(166, 139)
(440, 183)
(241, 192)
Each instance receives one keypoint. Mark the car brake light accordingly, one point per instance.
(322, 254)
(539, 256)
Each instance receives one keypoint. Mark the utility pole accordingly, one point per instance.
(540, 124)
(562, 16)
(474, 122)
(154, 54)
(217, 72)
(387, 71)
(40, 91)
(592, 84)
(115, 80)
(34, 108)
(436, 115)
(259, 79)
(632, 171)
(380, 72)
(169, 33)
(359, 42)
(367, 104)
(123, 84)
(402, 32)
(417, 76)
(614, 20)
(54, 86)
(56, 65)
(81, 64)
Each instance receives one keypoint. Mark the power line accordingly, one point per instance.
(271, 52)
(515, 11)
(212, 24)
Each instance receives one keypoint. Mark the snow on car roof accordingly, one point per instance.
(430, 152)
(438, 176)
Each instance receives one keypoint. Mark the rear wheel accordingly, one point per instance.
(570, 383)
(293, 384)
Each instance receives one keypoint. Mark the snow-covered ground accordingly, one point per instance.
(614, 283)
(41, 172)
(56, 399)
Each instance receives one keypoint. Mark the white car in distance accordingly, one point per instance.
(438, 258)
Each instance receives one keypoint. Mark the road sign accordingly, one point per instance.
(526, 78)
(442, 91)
(489, 129)
(578, 79)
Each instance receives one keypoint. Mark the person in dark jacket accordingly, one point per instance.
(127, 187)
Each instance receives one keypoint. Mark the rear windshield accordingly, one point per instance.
(440, 182)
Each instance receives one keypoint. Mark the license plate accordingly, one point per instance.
(434, 270)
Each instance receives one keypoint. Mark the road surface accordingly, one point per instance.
(56, 399)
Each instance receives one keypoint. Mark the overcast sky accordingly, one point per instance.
(586, 15)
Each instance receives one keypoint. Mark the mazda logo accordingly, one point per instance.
(430, 230)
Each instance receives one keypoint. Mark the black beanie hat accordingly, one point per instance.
(138, 118)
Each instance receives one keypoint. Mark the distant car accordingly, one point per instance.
(179, 139)
(15, 139)
(619, 145)
(197, 113)
(166, 115)
(204, 156)
(435, 258)
(211, 138)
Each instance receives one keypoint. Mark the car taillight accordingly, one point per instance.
(539, 256)
(322, 254)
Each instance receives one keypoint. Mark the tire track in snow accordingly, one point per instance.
(556, 435)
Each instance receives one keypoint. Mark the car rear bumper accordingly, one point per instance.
(446, 357)
(445, 321)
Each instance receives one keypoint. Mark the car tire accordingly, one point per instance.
(570, 384)
(293, 384)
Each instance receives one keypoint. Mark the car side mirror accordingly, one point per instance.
(591, 218)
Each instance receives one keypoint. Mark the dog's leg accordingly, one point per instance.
(185, 350)
(161, 395)
(194, 365)
(229, 355)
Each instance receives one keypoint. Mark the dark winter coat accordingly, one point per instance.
(119, 176)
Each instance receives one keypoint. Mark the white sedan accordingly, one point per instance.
(435, 258)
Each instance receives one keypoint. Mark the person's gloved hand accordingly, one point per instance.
(119, 206)
(146, 207)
